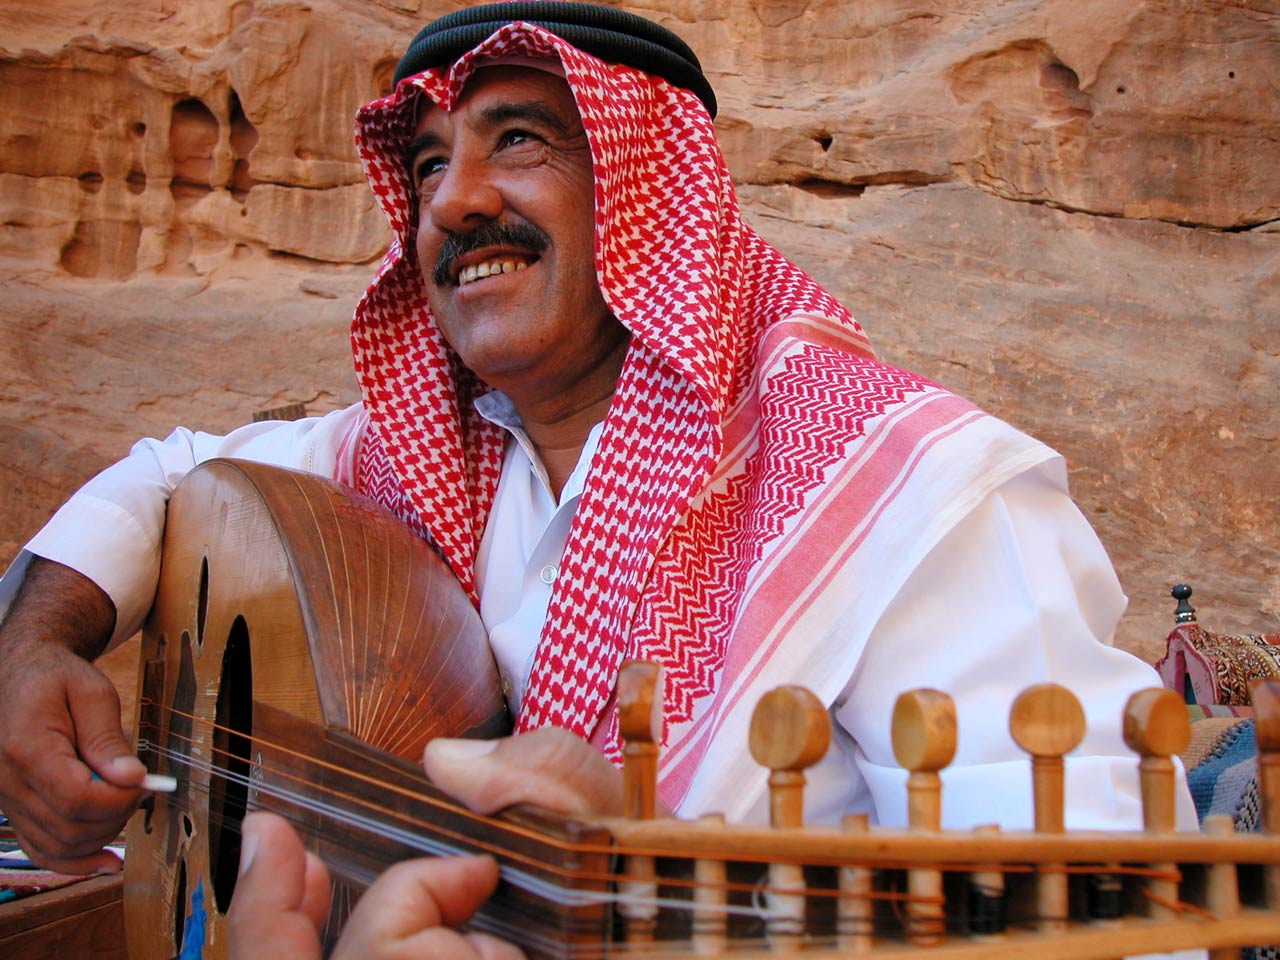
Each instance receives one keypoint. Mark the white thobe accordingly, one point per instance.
(1043, 609)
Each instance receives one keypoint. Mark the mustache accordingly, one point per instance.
(520, 234)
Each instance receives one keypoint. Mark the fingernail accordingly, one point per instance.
(248, 845)
(126, 764)
(450, 749)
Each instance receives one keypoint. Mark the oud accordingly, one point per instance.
(303, 647)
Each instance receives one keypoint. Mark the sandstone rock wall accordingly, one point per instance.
(1066, 209)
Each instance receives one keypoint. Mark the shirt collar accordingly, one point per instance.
(497, 408)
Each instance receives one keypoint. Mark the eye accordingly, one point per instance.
(425, 167)
(512, 138)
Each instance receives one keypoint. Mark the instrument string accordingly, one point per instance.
(419, 842)
(383, 785)
(448, 807)
(474, 843)
(757, 910)
(512, 929)
(521, 932)
(339, 815)
(324, 801)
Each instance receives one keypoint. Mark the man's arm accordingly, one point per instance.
(68, 777)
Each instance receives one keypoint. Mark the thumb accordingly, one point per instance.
(94, 706)
(281, 896)
(550, 768)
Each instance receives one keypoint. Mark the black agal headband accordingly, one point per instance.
(612, 35)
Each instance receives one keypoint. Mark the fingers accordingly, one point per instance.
(550, 768)
(409, 911)
(82, 854)
(281, 897)
(65, 844)
(442, 943)
(315, 892)
(75, 859)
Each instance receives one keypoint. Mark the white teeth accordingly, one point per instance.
(479, 271)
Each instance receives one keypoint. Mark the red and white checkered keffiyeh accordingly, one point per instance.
(748, 395)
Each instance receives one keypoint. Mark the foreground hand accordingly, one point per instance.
(549, 768)
(282, 897)
(59, 725)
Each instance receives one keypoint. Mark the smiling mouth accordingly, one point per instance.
(491, 268)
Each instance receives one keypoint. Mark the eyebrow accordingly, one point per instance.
(533, 111)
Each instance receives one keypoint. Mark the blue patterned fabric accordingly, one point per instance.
(1225, 780)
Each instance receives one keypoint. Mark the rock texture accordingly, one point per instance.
(1068, 210)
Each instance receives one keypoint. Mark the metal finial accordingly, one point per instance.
(1185, 612)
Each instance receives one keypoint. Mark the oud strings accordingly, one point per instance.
(309, 804)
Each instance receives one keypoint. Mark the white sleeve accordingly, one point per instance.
(1019, 592)
(111, 530)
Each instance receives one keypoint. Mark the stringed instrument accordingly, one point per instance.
(304, 646)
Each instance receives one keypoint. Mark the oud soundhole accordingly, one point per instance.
(179, 739)
(202, 605)
(150, 723)
(229, 784)
(180, 904)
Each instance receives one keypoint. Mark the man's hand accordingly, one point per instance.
(60, 725)
(282, 897)
(549, 768)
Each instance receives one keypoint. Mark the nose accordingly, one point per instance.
(465, 196)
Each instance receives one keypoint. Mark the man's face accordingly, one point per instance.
(505, 232)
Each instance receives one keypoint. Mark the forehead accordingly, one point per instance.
(491, 90)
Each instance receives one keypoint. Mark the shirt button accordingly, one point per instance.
(548, 574)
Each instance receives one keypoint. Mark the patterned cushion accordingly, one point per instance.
(1215, 668)
(1222, 771)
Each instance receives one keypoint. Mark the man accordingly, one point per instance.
(632, 429)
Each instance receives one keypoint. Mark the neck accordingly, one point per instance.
(558, 424)
(559, 440)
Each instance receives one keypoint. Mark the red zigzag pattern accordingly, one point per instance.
(814, 410)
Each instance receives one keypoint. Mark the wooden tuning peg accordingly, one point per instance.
(790, 732)
(1265, 697)
(639, 707)
(1047, 722)
(1156, 727)
(924, 741)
